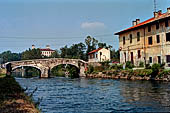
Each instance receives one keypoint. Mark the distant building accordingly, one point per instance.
(99, 55)
(46, 51)
(147, 41)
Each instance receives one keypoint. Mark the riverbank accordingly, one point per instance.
(145, 74)
(13, 99)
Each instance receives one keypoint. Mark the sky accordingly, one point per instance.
(65, 22)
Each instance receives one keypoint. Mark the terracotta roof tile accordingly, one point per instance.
(47, 50)
(95, 51)
(161, 16)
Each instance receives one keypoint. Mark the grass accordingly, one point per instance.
(13, 99)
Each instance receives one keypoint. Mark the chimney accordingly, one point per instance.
(168, 10)
(133, 23)
(155, 14)
(47, 46)
(33, 46)
(137, 21)
(160, 12)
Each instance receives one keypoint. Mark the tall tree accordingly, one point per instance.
(75, 51)
(91, 44)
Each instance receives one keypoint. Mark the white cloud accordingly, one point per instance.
(93, 25)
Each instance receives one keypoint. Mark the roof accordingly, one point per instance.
(47, 50)
(95, 51)
(153, 19)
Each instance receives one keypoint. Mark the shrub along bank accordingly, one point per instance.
(116, 71)
(13, 99)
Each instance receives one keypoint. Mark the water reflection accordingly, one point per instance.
(147, 94)
(97, 95)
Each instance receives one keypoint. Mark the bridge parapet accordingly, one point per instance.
(44, 65)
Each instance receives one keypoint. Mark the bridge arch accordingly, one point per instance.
(74, 72)
(23, 70)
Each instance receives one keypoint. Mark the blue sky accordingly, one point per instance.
(65, 22)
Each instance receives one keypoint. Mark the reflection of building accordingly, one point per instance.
(147, 41)
(45, 52)
(99, 55)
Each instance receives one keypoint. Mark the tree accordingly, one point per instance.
(55, 54)
(31, 54)
(104, 45)
(8, 56)
(76, 51)
(115, 55)
(91, 44)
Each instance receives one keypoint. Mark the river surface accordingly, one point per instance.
(65, 95)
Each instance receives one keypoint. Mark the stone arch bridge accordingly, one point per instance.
(45, 65)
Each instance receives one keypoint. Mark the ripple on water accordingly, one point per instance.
(97, 95)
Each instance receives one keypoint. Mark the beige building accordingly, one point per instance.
(46, 51)
(99, 55)
(147, 41)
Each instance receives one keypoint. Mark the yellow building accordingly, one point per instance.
(147, 41)
(99, 55)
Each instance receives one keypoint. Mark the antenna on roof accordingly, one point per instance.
(155, 5)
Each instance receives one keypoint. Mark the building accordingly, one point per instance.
(99, 55)
(148, 41)
(46, 51)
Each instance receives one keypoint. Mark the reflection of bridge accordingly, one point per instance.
(45, 65)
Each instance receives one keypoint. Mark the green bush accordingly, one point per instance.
(155, 70)
(143, 72)
(116, 66)
(162, 65)
(90, 69)
(105, 64)
(155, 67)
(164, 73)
(141, 64)
(98, 68)
(129, 65)
(147, 66)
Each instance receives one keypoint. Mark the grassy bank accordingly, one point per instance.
(13, 99)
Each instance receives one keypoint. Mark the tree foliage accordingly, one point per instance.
(8, 56)
(31, 54)
(56, 54)
(76, 51)
(91, 43)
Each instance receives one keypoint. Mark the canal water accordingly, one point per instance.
(65, 95)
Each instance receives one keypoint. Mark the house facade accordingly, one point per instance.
(99, 55)
(46, 51)
(148, 41)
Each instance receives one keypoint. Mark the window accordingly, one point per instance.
(150, 59)
(158, 38)
(159, 59)
(125, 56)
(168, 58)
(130, 38)
(157, 25)
(168, 37)
(138, 36)
(149, 28)
(96, 55)
(139, 55)
(166, 23)
(150, 40)
(123, 40)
